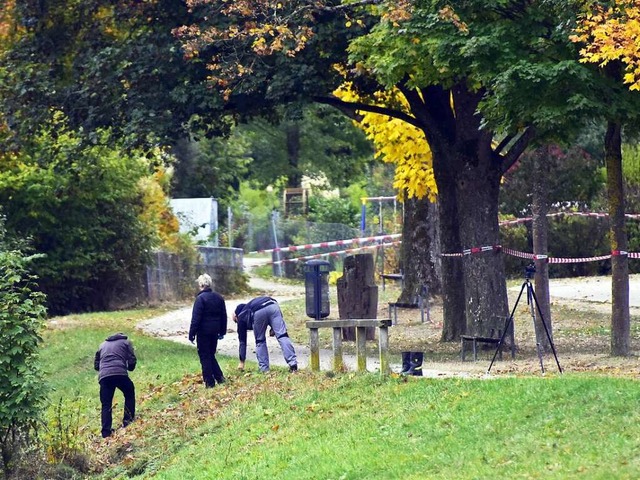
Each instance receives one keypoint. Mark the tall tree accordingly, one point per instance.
(404, 145)
(610, 34)
(105, 64)
(445, 58)
(328, 147)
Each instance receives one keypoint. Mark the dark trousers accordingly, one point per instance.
(108, 387)
(211, 371)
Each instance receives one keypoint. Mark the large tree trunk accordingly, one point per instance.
(485, 285)
(468, 173)
(539, 209)
(620, 322)
(420, 252)
(453, 291)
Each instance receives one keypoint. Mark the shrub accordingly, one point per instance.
(22, 392)
(63, 439)
(86, 207)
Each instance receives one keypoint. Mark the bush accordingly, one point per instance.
(22, 392)
(84, 207)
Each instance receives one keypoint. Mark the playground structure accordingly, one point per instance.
(380, 201)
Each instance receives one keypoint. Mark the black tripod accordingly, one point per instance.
(531, 301)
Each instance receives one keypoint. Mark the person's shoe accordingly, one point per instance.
(293, 368)
(221, 381)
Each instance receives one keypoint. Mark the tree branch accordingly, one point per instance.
(351, 110)
(503, 144)
(517, 148)
(360, 3)
(432, 108)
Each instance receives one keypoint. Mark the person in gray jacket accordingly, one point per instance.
(258, 314)
(113, 360)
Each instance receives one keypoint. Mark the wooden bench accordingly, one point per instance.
(490, 340)
(361, 338)
(420, 301)
(398, 277)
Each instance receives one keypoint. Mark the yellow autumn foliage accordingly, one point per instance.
(612, 34)
(157, 212)
(397, 142)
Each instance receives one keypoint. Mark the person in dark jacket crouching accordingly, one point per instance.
(208, 325)
(258, 314)
(113, 360)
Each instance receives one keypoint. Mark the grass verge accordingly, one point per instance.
(340, 426)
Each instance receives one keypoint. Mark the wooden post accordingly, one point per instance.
(338, 365)
(357, 293)
(383, 345)
(314, 347)
(361, 348)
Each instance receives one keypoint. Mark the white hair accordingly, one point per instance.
(204, 280)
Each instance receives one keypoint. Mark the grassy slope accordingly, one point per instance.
(346, 426)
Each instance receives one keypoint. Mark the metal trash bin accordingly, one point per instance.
(316, 283)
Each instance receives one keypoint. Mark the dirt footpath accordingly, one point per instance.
(592, 289)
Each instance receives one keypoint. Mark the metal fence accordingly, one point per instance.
(172, 278)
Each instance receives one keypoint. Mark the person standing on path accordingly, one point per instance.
(258, 314)
(208, 325)
(113, 360)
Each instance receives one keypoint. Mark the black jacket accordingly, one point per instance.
(115, 357)
(209, 315)
(252, 307)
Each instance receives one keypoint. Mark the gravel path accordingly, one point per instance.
(592, 289)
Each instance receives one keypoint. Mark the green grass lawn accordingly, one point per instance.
(339, 426)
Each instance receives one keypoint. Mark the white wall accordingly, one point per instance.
(201, 213)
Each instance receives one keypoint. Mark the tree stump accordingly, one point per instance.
(357, 293)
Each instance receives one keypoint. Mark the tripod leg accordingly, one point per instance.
(546, 330)
(507, 325)
(532, 309)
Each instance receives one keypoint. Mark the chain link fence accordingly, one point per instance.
(171, 277)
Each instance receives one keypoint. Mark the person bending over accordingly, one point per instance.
(259, 314)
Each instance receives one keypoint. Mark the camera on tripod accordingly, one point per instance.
(529, 271)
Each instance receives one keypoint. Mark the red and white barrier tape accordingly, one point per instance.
(528, 256)
(470, 251)
(567, 214)
(332, 254)
(295, 248)
(533, 256)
